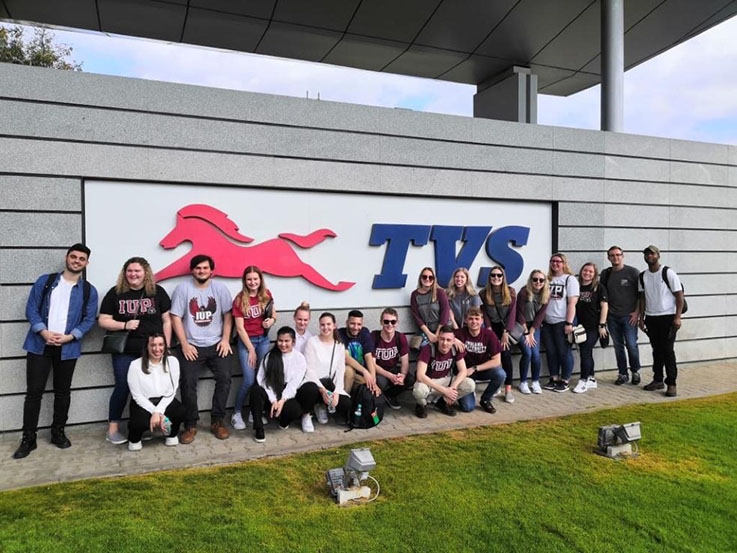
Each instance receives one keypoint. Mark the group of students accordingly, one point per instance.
(465, 336)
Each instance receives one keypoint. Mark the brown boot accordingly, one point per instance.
(219, 430)
(188, 435)
(671, 391)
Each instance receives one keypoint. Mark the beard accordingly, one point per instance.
(202, 280)
(74, 271)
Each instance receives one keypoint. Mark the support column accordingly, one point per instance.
(509, 96)
(612, 65)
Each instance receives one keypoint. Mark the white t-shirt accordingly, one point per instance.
(561, 288)
(59, 306)
(658, 299)
(301, 340)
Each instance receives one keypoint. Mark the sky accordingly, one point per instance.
(689, 92)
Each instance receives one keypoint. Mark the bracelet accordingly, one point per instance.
(568, 324)
(527, 333)
(602, 325)
(125, 323)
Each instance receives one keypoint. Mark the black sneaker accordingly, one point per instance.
(27, 444)
(446, 409)
(623, 379)
(59, 439)
(392, 402)
(259, 436)
(421, 411)
(635, 378)
(550, 385)
(488, 406)
(561, 386)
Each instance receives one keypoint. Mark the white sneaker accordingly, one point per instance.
(499, 392)
(135, 446)
(591, 383)
(237, 421)
(524, 388)
(536, 389)
(508, 397)
(307, 426)
(171, 441)
(321, 412)
(580, 387)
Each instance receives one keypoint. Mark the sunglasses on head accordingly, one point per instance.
(538, 279)
(389, 321)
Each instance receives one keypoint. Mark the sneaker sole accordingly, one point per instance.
(116, 442)
(259, 440)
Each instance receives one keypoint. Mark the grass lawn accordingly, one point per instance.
(533, 486)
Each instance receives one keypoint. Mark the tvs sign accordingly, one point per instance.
(334, 250)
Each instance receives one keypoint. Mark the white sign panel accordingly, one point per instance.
(335, 250)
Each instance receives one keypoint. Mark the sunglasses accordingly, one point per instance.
(428, 277)
(496, 275)
(389, 321)
(555, 262)
(538, 280)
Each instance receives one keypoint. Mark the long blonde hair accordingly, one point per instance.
(566, 267)
(595, 281)
(488, 292)
(434, 287)
(262, 293)
(469, 289)
(544, 291)
(149, 283)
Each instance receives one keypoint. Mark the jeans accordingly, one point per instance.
(529, 354)
(190, 376)
(37, 373)
(558, 351)
(586, 349)
(496, 377)
(261, 345)
(506, 354)
(623, 333)
(119, 397)
(662, 339)
(140, 419)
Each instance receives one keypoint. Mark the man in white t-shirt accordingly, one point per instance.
(61, 309)
(660, 307)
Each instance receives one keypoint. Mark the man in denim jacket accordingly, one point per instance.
(61, 309)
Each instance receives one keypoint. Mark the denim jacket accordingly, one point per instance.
(78, 323)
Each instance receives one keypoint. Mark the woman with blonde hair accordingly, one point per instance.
(559, 319)
(429, 305)
(532, 303)
(499, 304)
(254, 314)
(140, 306)
(301, 320)
(461, 296)
(592, 310)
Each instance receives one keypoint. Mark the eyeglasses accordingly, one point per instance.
(389, 321)
(555, 262)
(538, 280)
(496, 275)
(429, 278)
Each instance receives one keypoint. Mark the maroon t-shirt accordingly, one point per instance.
(481, 348)
(439, 365)
(388, 354)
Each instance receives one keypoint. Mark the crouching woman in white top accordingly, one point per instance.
(323, 388)
(277, 389)
(152, 380)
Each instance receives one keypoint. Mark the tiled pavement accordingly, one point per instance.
(90, 456)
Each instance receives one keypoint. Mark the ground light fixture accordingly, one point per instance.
(619, 441)
(345, 484)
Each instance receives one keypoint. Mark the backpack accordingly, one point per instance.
(667, 283)
(367, 410)
(85, 292)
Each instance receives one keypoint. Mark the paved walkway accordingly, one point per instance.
(90, 456)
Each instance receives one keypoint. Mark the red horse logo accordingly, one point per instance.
(211, 232)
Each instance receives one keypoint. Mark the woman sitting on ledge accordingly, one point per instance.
(152, 380)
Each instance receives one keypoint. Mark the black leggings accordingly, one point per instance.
(140, 419)
(506, 354)
(310, 396)
(292, 410)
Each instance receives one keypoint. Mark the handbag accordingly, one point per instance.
(115, 341)
(415, 342)
(327, 381)
(577, 335)
(517, 334)
(268, 314)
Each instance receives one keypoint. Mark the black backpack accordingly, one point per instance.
(667, 283)
(367, 410)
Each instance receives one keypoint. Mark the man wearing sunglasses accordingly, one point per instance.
(391, 353)
(620, 281)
